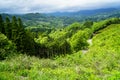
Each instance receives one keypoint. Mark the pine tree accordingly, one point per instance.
(29, 43)
(14, 29)
(2, 30)
(21, 36)
(26, 43)
(20, 27)
(8, 27)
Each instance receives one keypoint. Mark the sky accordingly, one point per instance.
(47, 6)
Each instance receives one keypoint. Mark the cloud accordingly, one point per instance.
(27, 6)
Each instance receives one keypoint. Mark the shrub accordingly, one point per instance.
(6, 47)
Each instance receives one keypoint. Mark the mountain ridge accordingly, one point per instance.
(84, 12)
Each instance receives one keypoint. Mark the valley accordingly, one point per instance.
(38, 46)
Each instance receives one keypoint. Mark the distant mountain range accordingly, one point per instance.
(69, 14)
(60, 19)
(84, 12)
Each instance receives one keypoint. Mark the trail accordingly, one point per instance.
(90, 43)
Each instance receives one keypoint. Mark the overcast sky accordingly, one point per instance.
(43, 6)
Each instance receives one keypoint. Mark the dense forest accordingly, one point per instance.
(48, 47)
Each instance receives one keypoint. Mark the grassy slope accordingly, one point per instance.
(103, 57)
(102, 61)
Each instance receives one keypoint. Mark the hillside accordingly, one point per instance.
(102, 58)
(101, 61)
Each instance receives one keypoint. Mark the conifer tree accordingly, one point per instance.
(8, 28)
(26, 43)
(2, 30)
(21, 36)
(14, 29)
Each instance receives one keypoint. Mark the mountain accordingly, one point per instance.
(84, 12)
(62, 19)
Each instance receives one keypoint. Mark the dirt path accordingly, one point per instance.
(90, 43)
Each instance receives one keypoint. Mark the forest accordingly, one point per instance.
(38, 46)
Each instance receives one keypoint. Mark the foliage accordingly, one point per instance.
(101, 62)
(8, 30)
(102, 24)
(51, 47)
(103, 56)
(14, 31)
(86, 24)
(2, 30)
(79, 40)
(7, 48)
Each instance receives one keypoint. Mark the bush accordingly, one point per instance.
(79, 40)
(6, 47)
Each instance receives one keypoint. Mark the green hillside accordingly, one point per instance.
(101, 61)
